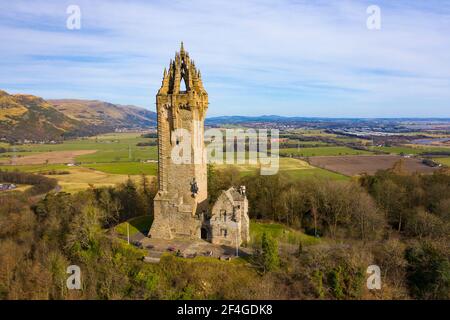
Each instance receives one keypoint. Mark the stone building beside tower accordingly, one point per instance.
(181, 203)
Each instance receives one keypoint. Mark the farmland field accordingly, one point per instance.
(41, 168)
(354, 165)
(132, 168)
(314, 133)
(409, 149)
(54, 157)
(82, 178)
(309, 143)
(294, 168)
(109, 148)
(321, 151)
(104, 160)
(74, 179)
(109, 159)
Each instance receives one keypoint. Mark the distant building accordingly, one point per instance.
(150, 161)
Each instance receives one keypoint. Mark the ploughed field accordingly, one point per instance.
(355, 165)
(54, 157)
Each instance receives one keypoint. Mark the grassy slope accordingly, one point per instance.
(279, 232)
(138, 224)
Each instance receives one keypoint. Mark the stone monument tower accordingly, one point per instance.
(181, 103)
(180, 206)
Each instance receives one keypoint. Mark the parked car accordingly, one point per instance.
(137, 244)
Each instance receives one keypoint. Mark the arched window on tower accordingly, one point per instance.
(183, 85)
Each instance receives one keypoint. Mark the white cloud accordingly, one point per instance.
(285, 57)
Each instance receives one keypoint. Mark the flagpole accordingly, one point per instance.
(128, 232)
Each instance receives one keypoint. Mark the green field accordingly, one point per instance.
(294, 168)
(125, 168)
(409, 149)
(321, 151)
(309, 143)
(279, 232)
(35, 168)
(397, 150)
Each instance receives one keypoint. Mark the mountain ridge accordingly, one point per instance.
(109, 115)
(25, 117)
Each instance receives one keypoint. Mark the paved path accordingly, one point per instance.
(188, 248)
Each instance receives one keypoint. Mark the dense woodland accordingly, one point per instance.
(39, 183)
(397, 221)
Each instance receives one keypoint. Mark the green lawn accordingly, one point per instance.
(321, 151)
(131, 168)
(279, 232)
(138, 224)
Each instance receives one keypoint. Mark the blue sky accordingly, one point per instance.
(294, 58)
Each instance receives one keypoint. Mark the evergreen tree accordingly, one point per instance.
(269, 254)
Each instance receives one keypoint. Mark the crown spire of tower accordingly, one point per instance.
(182, 69)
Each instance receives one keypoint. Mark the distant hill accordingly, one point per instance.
(263, 118)
(27, 117)
(293, 119)
(106, 115)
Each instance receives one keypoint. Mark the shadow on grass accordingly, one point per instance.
(137, 225)
(142, 224)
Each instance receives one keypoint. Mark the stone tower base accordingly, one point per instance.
(175, 217)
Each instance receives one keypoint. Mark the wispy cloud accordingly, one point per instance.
(257, 57)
